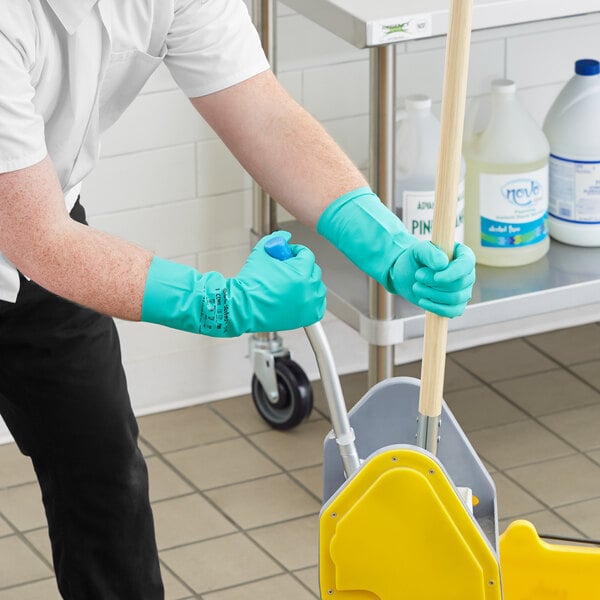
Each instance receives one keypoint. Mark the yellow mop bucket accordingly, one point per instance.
(533, 569)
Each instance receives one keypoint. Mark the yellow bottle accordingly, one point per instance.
(506, 184)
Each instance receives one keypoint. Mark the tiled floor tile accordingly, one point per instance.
(311, 478)
(512, 499)
(14, 467)
(488, 467)
(5, 528)
(354, 387)
(594, 455)
(585, 516)
(146, 450)
(174, 589)
(299, 447)
(22, 506)
(264, 501)
(241, 413)
(222, 463)
(164, 482)
(186, 520)
(41, 542)
(18, 564)
(549, 523)
(546, 522)
(274, 588)
(590, 372)
(294, 543)
(457, 378)
(479, 407)
(310, 578)
(504, 360)
(517, 444)
(184, 428)
(570, 346)
(40, 590)
(220, 563)
(560, 481)
(545, 393)
(580, 426)
(410, 370)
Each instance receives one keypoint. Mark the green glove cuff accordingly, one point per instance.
(367, 232)
(180, 297)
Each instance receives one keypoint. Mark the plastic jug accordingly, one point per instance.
(416, 157)
(506, 184)
(573, 130)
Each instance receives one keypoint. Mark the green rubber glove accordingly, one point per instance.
(377, 242)
(266, 295)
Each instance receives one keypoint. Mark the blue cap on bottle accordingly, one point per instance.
(587, 66)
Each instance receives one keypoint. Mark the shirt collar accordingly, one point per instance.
(71, 12)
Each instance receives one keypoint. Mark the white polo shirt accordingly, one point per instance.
(69, 68)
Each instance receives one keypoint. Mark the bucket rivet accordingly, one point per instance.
(432, 471)
(394, 458)
(334, 515)
(330, 592)
(492, 582)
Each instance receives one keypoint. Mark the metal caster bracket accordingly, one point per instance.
(263, 349)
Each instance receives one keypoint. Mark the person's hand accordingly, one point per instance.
(376, 241)
(423, 275)
(266, 295)
(273, 295)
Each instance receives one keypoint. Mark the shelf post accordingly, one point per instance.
(381, 165)
(264, 210)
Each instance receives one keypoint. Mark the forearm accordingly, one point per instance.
(92, 268)
(281, 145)
(71, 260)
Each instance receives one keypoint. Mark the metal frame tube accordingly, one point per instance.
(381, 139)
(344, 434)
(264, 209)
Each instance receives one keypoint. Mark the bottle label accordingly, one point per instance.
(575, 190)
(417, 213)
(513, 208)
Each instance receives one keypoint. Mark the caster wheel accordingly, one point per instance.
(295, 396)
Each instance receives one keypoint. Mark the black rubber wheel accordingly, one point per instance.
(295, 401)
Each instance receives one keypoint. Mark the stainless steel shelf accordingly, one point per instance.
(506, 301)
(568, 277)
(365, 23)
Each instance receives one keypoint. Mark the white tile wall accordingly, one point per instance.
(166, 181)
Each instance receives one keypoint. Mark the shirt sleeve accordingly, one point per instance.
(22, 140)
(212, 45)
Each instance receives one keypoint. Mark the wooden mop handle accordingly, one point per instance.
(447, 181)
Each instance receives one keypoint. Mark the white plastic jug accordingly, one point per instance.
(416, 157)
(573, 130)
(506, 184)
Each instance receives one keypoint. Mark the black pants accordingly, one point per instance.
(64, 398)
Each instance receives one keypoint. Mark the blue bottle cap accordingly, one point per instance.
(587, 66)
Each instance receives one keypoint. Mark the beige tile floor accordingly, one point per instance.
(236, 503)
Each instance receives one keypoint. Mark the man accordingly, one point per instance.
(68, 69)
